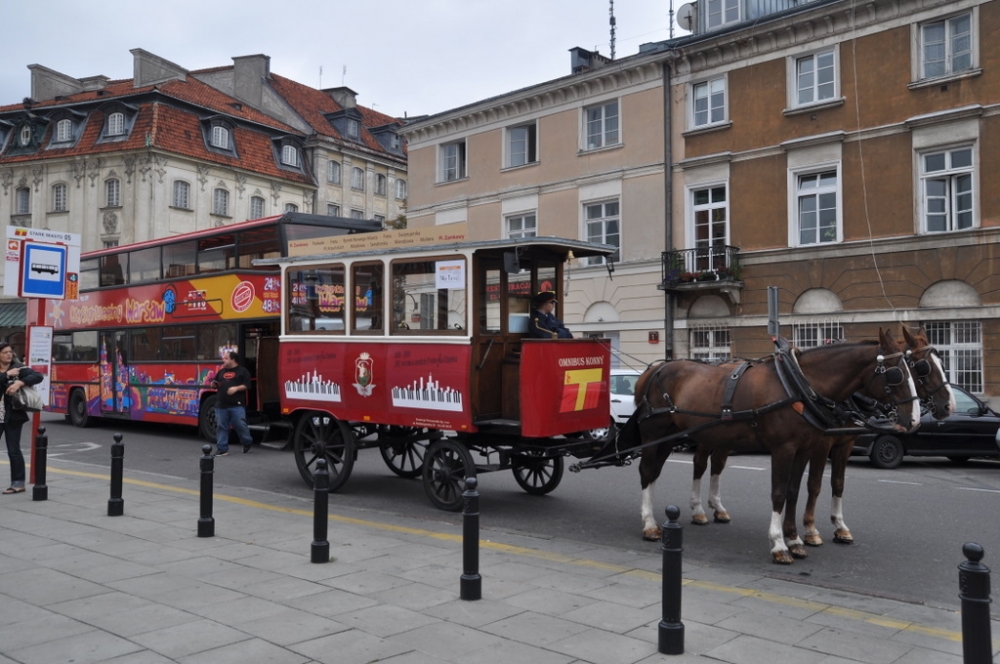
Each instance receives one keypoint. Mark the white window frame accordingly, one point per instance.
(800, 81)
(720, 12)
(813, 334)
(332, 210)
(963, 359)
(711, 90)
(353, 128)
(220, 202)
(522, 224)
(704, 258)
(333, 172)
(601, 125)
(795, 196)
(710, 343)
(113, 193)
(261, 206)
(24, 136)
(220, 137)
(291, 207)
(60, 202)
(400, 189)
(967, 45)
(22, 200)
(64, 131)
(522, 145)
(604, 219)
(453, 161)
(116, 124)
(957, 203)
(290, 155)
(357, 179)
(380, 184)
(181, 195)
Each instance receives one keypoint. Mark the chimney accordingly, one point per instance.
(346, 97)
(48, 84)
(583, 60)
(249, 74)
(149, 69)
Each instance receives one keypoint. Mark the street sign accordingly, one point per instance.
(43, 270)
(40, 278)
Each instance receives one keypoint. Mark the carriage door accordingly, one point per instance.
(114, 374)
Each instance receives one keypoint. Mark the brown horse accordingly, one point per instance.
(673, 399)
(932, 387)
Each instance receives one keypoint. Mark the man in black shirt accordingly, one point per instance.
(544, 325)
(233, 383)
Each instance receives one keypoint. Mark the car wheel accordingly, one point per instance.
(887, 452)
(601, 434)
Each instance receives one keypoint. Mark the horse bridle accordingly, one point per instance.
(892, 377)
(922, 368)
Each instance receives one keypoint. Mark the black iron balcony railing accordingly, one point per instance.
(703, 264)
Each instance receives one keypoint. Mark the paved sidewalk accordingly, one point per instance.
(79, 586)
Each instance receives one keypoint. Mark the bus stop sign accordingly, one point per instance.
(43, 270)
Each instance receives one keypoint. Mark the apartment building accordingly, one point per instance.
(838, 151)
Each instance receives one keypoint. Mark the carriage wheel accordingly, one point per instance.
(887, 452)
(446, 465)
(401, 453)
(536, 473)
(321, 435)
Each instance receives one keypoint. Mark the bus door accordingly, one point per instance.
(114, 374)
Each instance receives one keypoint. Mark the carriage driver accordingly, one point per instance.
(543, 324)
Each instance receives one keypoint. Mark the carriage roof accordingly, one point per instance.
(524, 246)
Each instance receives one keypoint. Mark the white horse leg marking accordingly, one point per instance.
(696, 508)
(774, 534)
(837, 513)
(648, 518)
(715, 496)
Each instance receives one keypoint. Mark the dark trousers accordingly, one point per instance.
(12, 434)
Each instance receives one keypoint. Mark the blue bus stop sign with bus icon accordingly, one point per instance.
(43, 270)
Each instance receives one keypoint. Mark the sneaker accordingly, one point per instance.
(218, 454)
(246, 448)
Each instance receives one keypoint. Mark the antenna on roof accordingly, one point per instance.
(320, 77)
(611, 11)
(671, 19)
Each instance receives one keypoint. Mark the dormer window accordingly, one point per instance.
(220, 137)
(353, 128)
(393, 141)
(290, 155)
(64, 131)
(116, 124)
(24, 138)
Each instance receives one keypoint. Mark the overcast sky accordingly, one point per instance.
(402, 56)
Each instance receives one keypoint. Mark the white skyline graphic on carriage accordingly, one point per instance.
(313, 387)
(430, 395)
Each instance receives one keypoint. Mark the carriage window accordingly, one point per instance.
(519, 300)
(367, 291)
(317, 296)
(429, 296)
(489, 303)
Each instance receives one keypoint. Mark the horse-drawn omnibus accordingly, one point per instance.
(152, 319)
(416, 342)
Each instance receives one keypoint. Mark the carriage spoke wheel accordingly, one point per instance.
(536, 473)
(446, 465)
(402, 451)
(319, 435)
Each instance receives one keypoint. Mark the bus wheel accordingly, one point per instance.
(320, 435)
(536, 473)
(206, 418)
(78, 409)
(403, 450)
(446, 465)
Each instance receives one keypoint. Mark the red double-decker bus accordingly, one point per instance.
(145, 335)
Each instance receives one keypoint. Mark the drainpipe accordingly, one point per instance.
(668, 218)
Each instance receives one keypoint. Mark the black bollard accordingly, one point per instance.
(974, 591)
(116, 505)
(206, 522)
(671, 629)
(40, 491)
(320, 545)
(472, 583)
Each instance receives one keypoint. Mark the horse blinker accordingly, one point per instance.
(893, 376)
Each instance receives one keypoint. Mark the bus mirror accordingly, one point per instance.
(511, 262)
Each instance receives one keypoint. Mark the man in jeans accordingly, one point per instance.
(233, 383)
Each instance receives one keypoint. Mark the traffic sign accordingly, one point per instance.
(43, 270)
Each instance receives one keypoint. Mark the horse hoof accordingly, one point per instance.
(699, 519)
(722, 517)
(843, 537)
(651, 535)
(782, 558)
(798, 551)
(813, 540)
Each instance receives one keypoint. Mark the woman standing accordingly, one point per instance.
(14, 376)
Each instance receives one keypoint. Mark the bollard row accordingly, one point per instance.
(40, 491)
(671, 629)
(116, 504)
(320, 550)
(471, 585)
(974, 591)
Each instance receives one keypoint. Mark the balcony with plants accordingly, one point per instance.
(703, 269)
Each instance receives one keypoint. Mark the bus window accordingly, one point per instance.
(428, 295)
(366, 281)
(216, 253)
(145, 344)
(258, 243)
(144, 265)
(317, 298)
(180, 260)
(85, 346)
(177, 343)
(214, 339)
(112, 273)
(62, 347)
(90, 274)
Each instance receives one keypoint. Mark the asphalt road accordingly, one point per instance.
(909, 523)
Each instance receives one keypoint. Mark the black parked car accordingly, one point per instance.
(971, 431)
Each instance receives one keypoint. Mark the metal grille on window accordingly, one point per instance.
(710, 344)
(819, 333)
(959, 344)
